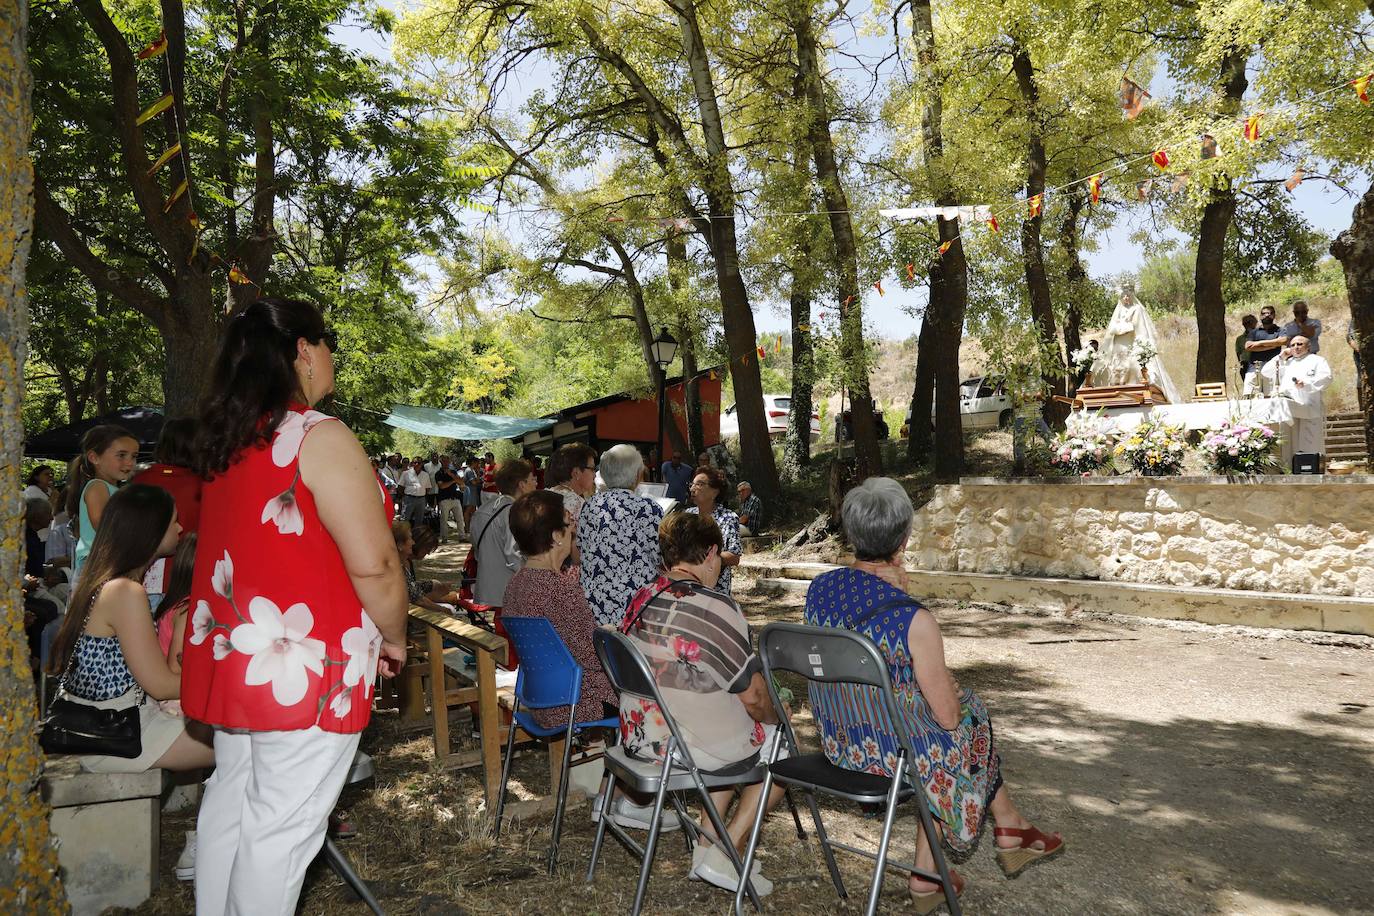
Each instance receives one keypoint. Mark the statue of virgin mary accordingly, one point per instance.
(1118, 363)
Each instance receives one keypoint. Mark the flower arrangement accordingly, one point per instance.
(1084, 446)
(1083, 359)
(1144, 351)
(1154, 448)
(1240, 447)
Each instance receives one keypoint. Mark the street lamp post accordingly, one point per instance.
(663, 349)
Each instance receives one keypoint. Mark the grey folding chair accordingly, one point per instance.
(629, 673)
(361, 771)
(834, 656)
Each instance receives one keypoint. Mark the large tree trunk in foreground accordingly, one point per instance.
(28, 866)
(686, 334)
(796, 453)
(1354, 248)
(853, 353)
(948, 272)
(1078, 282)
(1209, 305)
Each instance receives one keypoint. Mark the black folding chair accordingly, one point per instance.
(629, 673)
(834, 656)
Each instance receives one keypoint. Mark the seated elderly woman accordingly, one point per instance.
(617, 534)
(948, 728)
(544, 531)
(696, 642)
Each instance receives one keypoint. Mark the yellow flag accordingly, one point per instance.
(155, 109)
(165, 158)
(238, 276)
(176, 195)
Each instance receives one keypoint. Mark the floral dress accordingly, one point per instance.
(728, 523)
(278, 639)
(960, 770)
(617, 533)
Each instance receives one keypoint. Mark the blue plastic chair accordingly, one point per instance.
(549, 678)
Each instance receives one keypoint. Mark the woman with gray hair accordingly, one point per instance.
(617, 535)
(948, 727)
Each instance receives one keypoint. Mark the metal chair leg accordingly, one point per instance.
(889, 816)
(601, 822)
(505, 768)
(689, 829)
(344, 870)
(562, 792)
(753, 841)
(824, 839)
(796, 815)
(652, 841)
(723, 840)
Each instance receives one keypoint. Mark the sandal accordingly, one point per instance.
(1015, 858)
(931, 901)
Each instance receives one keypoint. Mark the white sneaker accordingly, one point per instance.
(712, 865)
(186, 862)
(636, 817)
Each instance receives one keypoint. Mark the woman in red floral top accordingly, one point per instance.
(297, 600)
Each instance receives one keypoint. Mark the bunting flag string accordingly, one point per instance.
(879, 287)
(911, 272)
(1035, 204)
(993, 224)
(1095, 189)
(1361, 85)
(1133, 97)
(944, 246)
(155, 109)
(1210, 148)
(1143, 188)
(239, 277)
(166, 157)
(1161, 159)
(176, 195)
(1252, 127)
(156, 49)
(1295, 179)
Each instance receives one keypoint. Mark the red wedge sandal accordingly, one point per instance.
(1015, 858)
(931, 901)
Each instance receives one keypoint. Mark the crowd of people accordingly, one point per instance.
(276, 563)
(1284, 361)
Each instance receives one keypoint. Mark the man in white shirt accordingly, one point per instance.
(1303, 380)
(432, 468)
(415, 483)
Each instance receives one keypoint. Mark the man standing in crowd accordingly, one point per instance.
(1302, 326)
(1264, 344)
(447, 483)
(432, 468)
(498, 556)
(472, 489)
(572, 475)
(1247, 324)
(391, 477)
(750, 510)
(677, 476)
(1304, 379)
(414, 485)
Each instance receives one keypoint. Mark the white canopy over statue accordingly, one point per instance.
(1118, 364)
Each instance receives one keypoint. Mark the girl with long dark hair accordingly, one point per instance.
(107, 459)
(296, 601)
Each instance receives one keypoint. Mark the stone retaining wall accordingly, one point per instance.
(1293, 534)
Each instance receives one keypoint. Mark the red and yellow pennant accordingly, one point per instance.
(911, 272)
(1143, 188)
(778, 347)
(238, 276)
(1361, 85)
(1132, 98)
(879, 287)
(993, 224)
(1095, 189)
(1035, 204)
(1252, 127)
(944, 246)
(762, 353)
(176, 195)
(1161, 158)
(712, 375)
(167, 156)
(155, 109)
(156, 49)
(1295, 179)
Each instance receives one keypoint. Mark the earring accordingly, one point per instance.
(310, 372)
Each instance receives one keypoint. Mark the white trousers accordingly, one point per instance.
(453, 507)
(1309, 436)
(263, 818)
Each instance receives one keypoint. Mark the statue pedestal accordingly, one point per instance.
(1118, 396)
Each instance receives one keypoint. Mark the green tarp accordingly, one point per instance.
(457, 424)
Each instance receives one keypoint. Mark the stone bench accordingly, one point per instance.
(106, 825)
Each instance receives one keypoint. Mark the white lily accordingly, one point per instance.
(363, 646)
(281, 647)
(223, 579)
(283, 511)
(202, 622)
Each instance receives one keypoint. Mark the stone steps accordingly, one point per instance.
(1345, 439)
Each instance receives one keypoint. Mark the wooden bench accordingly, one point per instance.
(106, 825)
(489, 651)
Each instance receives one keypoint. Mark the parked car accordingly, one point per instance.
(777, 409)
(983, 402)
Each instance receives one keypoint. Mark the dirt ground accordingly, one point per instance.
(1191, 769)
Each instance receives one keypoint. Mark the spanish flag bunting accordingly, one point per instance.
(1143, 188)
(1361, 85)
(1161, 158)
(176, 195)
(165, 158)
(879, 287)
(194, 220)
(1295, 179)
(159, 46)
(1252, 129)
(1034, 204)
(993, 224)
(1132, 98)
(195, 246)
(911, 271)
(238, 276)
(762, 352)
(155, 109)
(1179, 183)
(777, 347)
(1095, 188)
(944, 246)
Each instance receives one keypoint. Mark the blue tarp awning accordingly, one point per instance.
(458, 424)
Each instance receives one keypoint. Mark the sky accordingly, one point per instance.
(895, 313)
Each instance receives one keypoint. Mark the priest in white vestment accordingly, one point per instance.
(1117, 363)
(1303, 379)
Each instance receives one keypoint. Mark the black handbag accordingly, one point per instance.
(79, 728)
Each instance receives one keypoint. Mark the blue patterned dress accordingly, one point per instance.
(728, 523)
(960, 770)
(617, 532)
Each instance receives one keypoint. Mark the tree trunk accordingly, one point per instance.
(28, 869)
(853, 353)
(1077, 283)
(1354, 248)
(796, 453)
(923, 393)
(1032, 248)
(948, 272)
(190, 338)
(1209, 305)
(756, 450)
(686, 333)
